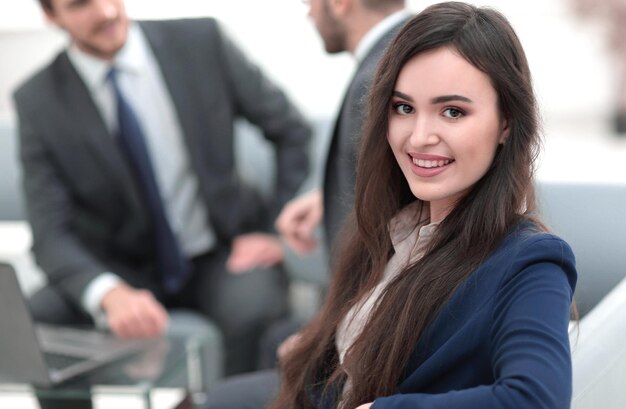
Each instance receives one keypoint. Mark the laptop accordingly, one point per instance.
(46, 355)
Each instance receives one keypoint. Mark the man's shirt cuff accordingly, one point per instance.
(95, 292)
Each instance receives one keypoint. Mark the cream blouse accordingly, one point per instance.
(409, 242)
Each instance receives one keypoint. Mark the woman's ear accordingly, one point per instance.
(51, 17)
(505, 132)
(340, 7)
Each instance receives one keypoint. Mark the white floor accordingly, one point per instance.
(162, 399)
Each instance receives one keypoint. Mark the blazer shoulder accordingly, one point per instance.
(189, 26)
(184, 37)
(374, 55)
(368, 65)
(528, 235)
(32, 91)
(527, 246)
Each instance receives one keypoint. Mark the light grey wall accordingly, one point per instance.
(572, 70)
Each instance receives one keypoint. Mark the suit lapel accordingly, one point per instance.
(90, 128)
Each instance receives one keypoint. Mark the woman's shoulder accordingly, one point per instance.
(528, 236)
(529, 247)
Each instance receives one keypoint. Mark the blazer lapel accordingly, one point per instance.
(90, 128)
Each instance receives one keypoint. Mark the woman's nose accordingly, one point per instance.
(424, 131)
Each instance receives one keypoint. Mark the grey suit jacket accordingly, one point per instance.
(340, 172)
(86, 212)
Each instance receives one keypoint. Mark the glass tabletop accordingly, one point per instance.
(169, 362)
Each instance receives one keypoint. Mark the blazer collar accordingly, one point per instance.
(89, 126)
(384, 39)
(379, 31)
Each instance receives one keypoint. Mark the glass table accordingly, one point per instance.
(160, 376)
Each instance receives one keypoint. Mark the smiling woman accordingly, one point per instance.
(447, 291)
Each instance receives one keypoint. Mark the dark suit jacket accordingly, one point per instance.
(84, 208)
(340, 172)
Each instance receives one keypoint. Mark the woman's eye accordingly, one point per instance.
(403, 109)
(452, 113)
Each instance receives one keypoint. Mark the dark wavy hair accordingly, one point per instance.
(501, 199)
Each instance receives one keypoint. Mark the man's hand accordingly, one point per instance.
(299, 219)
(288, 345)
(133, 313)
(254, 250)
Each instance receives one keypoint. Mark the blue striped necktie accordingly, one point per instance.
(172, 265)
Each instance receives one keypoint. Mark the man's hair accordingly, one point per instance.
(381, 5)
(46, 4)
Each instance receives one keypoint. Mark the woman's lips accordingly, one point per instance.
(428, 165)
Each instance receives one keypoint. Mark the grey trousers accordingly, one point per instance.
(249, 391)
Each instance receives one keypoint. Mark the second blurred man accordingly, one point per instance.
(363, 28)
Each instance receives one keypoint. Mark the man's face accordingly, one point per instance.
(98, 27)
(328, 26)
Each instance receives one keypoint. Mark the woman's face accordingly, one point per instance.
(444, 127)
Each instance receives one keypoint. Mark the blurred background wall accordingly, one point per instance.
(572, 67)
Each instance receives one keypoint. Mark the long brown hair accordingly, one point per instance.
(477, 225)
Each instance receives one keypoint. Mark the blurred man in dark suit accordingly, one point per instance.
(363, 28)
(132, 192)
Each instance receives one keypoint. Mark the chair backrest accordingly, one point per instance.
(599, 354)
(592, 219)
(308, 274)
(11, 203)
(255, 160)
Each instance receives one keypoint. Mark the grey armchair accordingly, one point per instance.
(592, 218)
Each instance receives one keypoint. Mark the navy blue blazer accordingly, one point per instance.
(502, 339)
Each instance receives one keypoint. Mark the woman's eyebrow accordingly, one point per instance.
(402, 95)
(436, 100)
(449, 98)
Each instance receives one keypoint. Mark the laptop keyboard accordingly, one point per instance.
(83, 343)
(59, 362)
